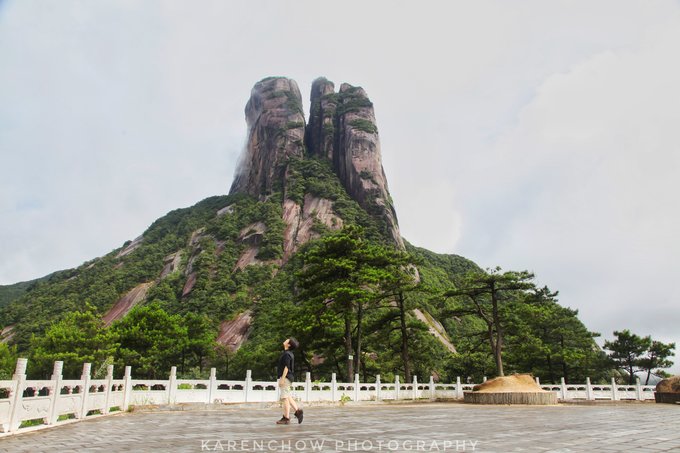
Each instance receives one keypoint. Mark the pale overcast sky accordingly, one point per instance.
(529, 134)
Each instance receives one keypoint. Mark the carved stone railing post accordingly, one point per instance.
(356, 387)
(432, 388)
(414, 387)
(54, 397)
(615, 393)
(414, 382)
(172, 385)
(397, 387)
(334, 387)
(638, 389)
(459, 389)
(589, 390)
(127, 388)
(109, 390)
(249, 385)
(377, 387)
(19, 379)
(563, 389)
(85, 382)
(308, 385)
(212, 385)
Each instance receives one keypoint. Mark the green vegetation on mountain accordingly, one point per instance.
(343, 287)
(60, 318)
(66, 309)
(8, 293)
(364, 125)
(8, 359)
(315, 177)
(77, 338)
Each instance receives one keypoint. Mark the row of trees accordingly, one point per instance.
(356, 299)
(148, 338)
(513, 315)
(344, 279)
(361, 289)
(633, 354)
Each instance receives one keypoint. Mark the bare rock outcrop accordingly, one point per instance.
(315, 210)
(234, 333)
(276, 129)
(171, 264)
(189, 284)
(301, 222)
(225, 210)
(131, 247)
(125, 303)
(252, 234)
(436, 329)
(7, 334)
(292, 214)
(248, 257)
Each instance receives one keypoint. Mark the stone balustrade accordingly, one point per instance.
(48, 402)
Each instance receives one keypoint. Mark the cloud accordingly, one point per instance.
(582, 189)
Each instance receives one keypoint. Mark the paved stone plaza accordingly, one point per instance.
(639, 427)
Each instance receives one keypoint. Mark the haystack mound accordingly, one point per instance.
(515, 389)
(669, 385)
(668, 391)
(514, 383)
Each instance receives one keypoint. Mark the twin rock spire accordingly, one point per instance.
(341, 129)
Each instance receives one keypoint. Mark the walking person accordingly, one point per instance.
(285, 370)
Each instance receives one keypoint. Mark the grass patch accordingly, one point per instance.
(294, 125)
(364, 125)
(32, 422)
(352, 104)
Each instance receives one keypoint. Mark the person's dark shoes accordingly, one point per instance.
(283, 421)
(299, 414)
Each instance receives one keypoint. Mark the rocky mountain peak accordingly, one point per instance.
(342, 128)
(319, 135)
(276, 129)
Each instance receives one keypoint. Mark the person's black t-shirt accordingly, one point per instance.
(287, 359)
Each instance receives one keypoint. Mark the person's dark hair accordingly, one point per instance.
(293, 343)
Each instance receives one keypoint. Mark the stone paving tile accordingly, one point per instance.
(423, 427)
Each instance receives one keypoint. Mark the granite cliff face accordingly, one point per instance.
(358, 160)
(341, 129)
(320, 132)
(276, 129)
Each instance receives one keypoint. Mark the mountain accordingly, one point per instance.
(232, 257)
(8, 293)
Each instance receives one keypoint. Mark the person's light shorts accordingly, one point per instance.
(286, 390)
